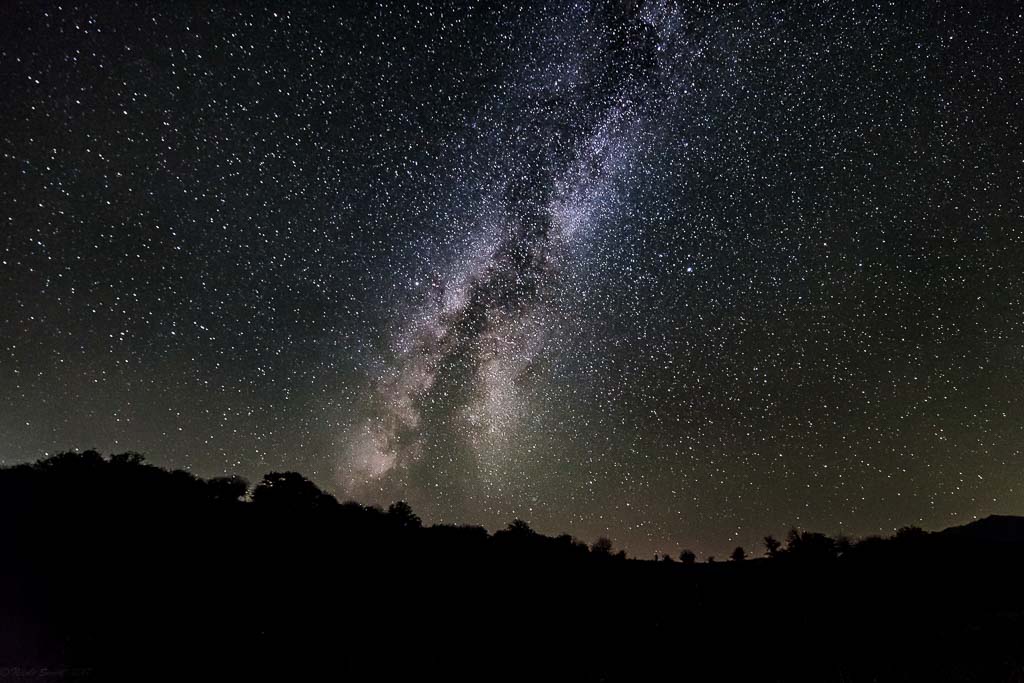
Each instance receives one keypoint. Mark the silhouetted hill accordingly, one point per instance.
(995, 530)
(114, 569)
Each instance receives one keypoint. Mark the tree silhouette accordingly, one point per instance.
(910, 533)
(519, 540)
(772, 546)
(602, 546)
(812, 546)
(688, 557)
(71, 462)
(738, 555)
(130, 458)
(401, 515)
(227, 489)
(520, 528)
(289, 491)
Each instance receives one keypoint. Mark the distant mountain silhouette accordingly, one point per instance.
(994, 529)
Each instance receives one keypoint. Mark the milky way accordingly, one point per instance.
(494, 305)
(678, 274)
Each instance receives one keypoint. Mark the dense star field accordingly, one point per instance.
(679, 276)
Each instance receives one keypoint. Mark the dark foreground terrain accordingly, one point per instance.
(114, 569)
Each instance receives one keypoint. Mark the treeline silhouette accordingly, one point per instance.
(113, 568)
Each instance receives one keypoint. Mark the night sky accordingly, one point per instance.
(682, 277)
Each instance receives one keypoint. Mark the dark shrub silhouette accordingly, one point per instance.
(687, 557)
(738, 554)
